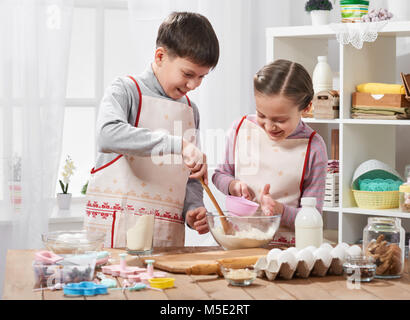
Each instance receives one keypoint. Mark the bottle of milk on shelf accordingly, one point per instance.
(308, 225)
(322, 77)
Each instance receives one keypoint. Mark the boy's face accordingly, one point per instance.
(277, 115)
(176, 75)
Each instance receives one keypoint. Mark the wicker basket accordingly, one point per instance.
(376, 199)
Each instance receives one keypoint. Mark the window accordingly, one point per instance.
(99, 52)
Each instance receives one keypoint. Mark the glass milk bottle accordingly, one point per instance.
(308, 225)
(322, 77)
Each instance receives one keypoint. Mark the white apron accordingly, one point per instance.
(259, 160)
(136, 185)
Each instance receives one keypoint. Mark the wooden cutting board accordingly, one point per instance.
(207, 262)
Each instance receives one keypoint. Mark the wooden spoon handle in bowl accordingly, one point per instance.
(225, 225)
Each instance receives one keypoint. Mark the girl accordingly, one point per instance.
(272, 157)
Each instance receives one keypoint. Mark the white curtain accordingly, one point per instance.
(34, 47)
(227, 92)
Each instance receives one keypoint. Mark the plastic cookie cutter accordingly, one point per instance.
(122, 270)
(85, 288)
(102, 258)
(145, 276)
(47, 257)
(161, 283)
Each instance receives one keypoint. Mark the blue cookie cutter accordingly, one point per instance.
(85, 288)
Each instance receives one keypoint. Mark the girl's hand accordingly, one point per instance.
(240, 189)
(269, 206)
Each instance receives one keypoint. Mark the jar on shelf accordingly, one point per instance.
(383, 240)
(404, 196)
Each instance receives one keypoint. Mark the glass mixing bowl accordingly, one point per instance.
(247, 231)
(73, 242)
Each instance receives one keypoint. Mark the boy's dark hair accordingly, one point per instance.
(288, 78)
(189, 35)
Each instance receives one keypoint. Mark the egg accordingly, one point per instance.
(293, 250)
(326, 246)
(343, 245)
(273, 254)
(311, 248)
(338, 253)
(289, 258)
(323, 255)
(354, 250)
(307, 256)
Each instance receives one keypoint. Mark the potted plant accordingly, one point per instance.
(15, 182)
(84, 188)
(64, 198)
(319, 11)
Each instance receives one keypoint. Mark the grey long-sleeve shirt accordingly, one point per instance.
(116, 133)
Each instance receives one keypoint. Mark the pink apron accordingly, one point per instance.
(136, 185)
(259, 160)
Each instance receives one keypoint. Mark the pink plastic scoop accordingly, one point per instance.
(239, 206)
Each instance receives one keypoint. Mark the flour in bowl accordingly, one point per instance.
(252, 238)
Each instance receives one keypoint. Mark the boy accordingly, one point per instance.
(149, 158)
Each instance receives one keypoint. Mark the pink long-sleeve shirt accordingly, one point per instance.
(315, 174)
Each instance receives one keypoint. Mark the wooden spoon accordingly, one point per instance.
(225, 224)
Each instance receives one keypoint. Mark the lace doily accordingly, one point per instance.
(357, 33)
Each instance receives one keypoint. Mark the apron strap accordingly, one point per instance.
(189, 101)
(139, 103)
(306, 161)
(236, 135)
(93, 170)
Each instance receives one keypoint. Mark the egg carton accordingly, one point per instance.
(310, 261)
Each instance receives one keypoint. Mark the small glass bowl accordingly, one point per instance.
(239, 277)
(359, 268)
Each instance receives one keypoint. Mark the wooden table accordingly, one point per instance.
(19, 282)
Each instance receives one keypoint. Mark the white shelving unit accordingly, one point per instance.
(359, 140)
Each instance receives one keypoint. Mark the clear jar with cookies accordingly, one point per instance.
(383, 240)
(404, 196)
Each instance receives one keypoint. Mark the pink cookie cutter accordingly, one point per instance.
(145, 276)
(122, 270)
(47, 257)
(239, 206)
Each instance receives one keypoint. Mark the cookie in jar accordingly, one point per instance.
(405, 196)
(383, 240)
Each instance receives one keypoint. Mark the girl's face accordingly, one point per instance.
(277, 115)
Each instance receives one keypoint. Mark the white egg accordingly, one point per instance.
(326, 246)
(339, 253)
(307, 256)
(311, 248)
(323, 255)
(294, 250)
(354, 250)
(273, 254)
(343, 245)
(288, 257)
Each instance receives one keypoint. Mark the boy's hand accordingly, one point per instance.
(269, 206)
(195, 160)
(196, 219)
(240, 189)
